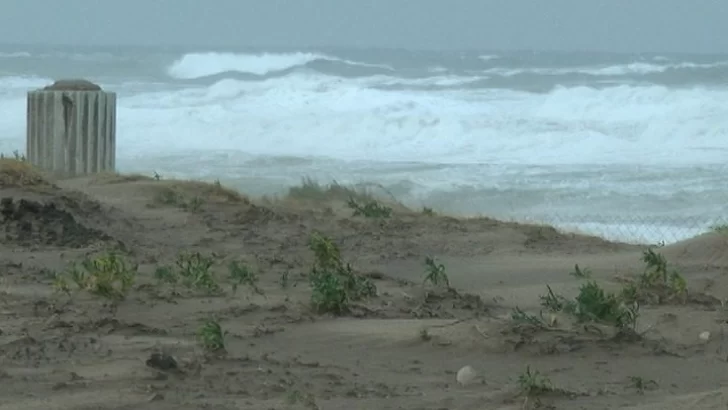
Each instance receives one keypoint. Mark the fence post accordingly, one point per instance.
(71, 128)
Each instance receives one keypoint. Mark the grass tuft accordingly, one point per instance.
(211, 336)
(532, 383)
(435, 273)
(310, 190)
(108, 276)
(369, 209)
(333, 283)
(15, 172)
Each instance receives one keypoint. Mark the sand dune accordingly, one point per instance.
(400, 349)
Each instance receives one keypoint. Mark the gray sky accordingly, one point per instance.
(594, 25)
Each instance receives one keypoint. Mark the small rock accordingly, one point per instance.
(704, 336)
(466, 375)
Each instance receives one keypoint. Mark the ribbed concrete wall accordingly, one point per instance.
(71, 132)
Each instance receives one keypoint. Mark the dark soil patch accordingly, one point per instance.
(28, 222)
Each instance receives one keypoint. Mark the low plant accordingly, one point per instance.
(211, 336)
(16, 156)
(173, 197)
(370, 209)
(532, 383)
(60, 284)
(195, 272)
(658, 283)
(194, 204)
(435, 273)
(627, 320)
(553, 302)
(166, 275)
(333, 283)
(720, 228)
(326, 253)
(519, 316)
(284, 279)
(108, 275)
(169, 196)
(328, 292)
(630, 293)
(241, 274)
(308, 400)
(581, 273)
(311, 190)
(425, 335)
(597, 305)
(642, 384)
(594, 304)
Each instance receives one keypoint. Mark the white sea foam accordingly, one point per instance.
(196, 65)
(15, 54)
(610, 70)
(304, 115)
(311, 114)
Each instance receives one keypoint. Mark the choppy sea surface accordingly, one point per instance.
(629, 147)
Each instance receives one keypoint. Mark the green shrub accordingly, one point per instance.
(334, 285)
(107, 275)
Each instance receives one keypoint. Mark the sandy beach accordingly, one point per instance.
(136, 292)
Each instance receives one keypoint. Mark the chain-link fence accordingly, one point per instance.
(635, 229)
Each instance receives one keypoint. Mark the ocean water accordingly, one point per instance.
(629, 147)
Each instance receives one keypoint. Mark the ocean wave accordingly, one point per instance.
(15, 54)
(212, 67)
(198, 65)
(89, 57)
(444, 81)
(635, 68)
(307, 114)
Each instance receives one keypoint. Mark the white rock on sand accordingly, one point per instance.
(466, 375)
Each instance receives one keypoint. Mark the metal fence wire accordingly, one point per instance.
(634, 229)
